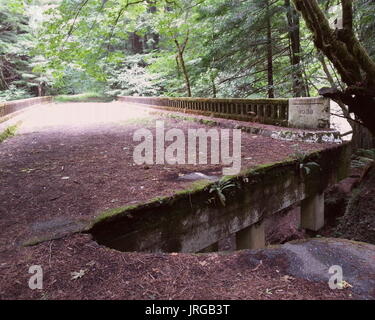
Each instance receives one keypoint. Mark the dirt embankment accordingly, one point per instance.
(358, 222)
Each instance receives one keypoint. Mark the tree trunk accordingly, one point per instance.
(362, 137)
(271, 91)
(348, 56)
(185, 73)
(137, 45)
(3, 83)
(214, 91)
(181, 62)
(299, 89)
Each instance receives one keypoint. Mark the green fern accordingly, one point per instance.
(219, 187)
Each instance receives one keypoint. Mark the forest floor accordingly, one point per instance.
(70, 162)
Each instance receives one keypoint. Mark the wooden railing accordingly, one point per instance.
(270, 111)
(8, 107)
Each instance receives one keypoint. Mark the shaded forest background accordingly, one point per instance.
(201, 48)
(211, 48)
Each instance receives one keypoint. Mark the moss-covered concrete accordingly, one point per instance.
(194, 218)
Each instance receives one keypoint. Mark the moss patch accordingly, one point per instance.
(195, 186)
(8, 132)
(113, 212)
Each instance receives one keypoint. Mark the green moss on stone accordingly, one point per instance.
(113, 212)
(195, 186)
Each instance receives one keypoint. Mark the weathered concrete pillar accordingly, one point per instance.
(309, 113)
(312, 212)
(211, 248)
(252, 237)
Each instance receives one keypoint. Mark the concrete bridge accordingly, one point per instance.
(190, 222)
(80, 154)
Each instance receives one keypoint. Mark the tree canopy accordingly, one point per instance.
(205, 48)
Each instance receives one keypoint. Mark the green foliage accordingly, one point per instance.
(307, 167)
(301, 156)
(362, 158)
(84, 97)
(365, 17)
(368, 153)
(8, 132)
(17, 42)
(299, 153)
(219, 188)
(132, 78)
(75, 81)
(14, 93)
(122, 47)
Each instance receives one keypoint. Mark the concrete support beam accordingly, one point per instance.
(252, 237)
(211, 248)
(312, 212)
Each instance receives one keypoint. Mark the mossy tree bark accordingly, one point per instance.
(362, 137)
(348, 56)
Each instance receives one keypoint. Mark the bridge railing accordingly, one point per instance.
(8, 107)
(269, 111)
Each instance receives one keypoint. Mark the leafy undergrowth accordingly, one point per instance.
(8, 132)
(363, 158)
(84, 97)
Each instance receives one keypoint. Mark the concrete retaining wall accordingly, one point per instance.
(193, 220)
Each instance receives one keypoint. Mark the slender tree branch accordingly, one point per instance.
(83, 3)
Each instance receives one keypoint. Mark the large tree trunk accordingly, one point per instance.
(362, 137)
(299, 89)
(348, 56)
(271, 91)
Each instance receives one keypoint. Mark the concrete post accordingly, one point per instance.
(309, 113)
(211, 248)
(312, 212)
(252, 237)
